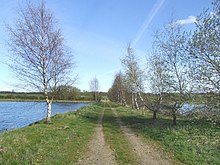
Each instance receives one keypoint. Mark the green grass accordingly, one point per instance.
(63, 141)
(117, 140)
(195, 142)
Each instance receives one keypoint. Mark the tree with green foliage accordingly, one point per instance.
(67, 92)
(118, 91)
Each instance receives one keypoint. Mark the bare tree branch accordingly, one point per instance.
(39, 55)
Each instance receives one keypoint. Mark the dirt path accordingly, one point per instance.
(145, 153)
(99, 152)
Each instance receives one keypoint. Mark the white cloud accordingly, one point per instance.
(188, 20)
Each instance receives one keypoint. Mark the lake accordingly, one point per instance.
(20, 114)
(187, 108)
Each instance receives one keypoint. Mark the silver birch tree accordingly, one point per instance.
(134, 76)
(94, 87)
(171, 44)
(158, 81)
(40, 58)
(204, 50)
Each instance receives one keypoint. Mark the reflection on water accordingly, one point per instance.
(20, 114)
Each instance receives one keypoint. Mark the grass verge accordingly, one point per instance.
(61, 142)
(192, 142)
(117, 140)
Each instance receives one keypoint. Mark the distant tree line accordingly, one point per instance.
(67, 92)
(183, 65)
(21, 96)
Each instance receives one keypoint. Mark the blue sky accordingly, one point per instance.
(98, 32)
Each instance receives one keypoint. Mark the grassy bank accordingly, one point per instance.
(195, 142)
(65, 140)
(61, 142)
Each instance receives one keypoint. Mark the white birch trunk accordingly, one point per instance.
(143, 102)
(48, 111)
(136, 103)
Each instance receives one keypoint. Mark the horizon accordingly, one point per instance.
(98, 32)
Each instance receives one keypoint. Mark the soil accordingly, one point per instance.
(100, 153)
(145, 153)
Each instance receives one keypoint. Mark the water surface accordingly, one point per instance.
(187, 108)
(20, 114)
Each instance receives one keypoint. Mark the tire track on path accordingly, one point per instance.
(99, 152)
(144, 152)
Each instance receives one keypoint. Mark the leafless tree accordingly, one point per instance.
(158, 81)
(40, 58)
(204, 50)
(134, 76)
(94, 87)
(171, 44)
